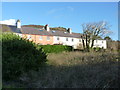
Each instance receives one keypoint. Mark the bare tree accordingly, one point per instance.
(93, 30)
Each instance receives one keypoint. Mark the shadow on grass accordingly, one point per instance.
(101, 75)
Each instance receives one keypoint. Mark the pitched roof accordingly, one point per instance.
(10, 28)
(14, 29)
(65, 34)
(42, 31)
(30, 30)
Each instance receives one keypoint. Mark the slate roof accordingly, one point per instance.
(10, 27)
(30, 30)
(14, 29)
(65, 34)
(41, 31)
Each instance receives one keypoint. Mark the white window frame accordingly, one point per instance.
(66, 39)
(40, 38)
(72, 40)
(80, 40)
(47, 38)
(96, 41)
(102, 42)
(29, 37)
(58, 38)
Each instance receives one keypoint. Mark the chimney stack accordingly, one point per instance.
(47, 27)
(70, 30)
(18, 24)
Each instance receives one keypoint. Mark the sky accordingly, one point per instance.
(64, 14)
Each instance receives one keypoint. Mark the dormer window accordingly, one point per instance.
(53, 31)
(65, 32)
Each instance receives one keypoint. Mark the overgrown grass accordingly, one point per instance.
(75, 70)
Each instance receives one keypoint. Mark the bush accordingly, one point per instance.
(56, 48)
(98, 49)
(19, 55)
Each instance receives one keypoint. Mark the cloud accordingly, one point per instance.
(8, 22)
(52, 11)
(70, 8)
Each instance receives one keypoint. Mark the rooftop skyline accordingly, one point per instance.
(64, 14)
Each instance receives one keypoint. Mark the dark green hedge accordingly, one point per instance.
(19, 55)
(56, 48)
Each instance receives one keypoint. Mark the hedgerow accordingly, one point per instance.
(55, 48)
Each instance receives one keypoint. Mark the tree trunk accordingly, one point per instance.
(87, 45)
(83, 44)
(92, 43)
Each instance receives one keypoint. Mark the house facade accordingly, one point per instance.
(45, 35)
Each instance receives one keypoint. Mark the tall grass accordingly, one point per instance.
(80, 58)
(75, 70)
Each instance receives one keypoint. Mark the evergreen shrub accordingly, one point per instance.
(19, 55)
(56, 48)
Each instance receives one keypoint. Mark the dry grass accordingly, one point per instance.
(75, 70)
(80, 58)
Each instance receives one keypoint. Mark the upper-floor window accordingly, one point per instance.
(66, 39)
(96, 41)
(102, 41)
(79, 40)
(48, 38)
(40, 38)
(58, 38)
(72, 39)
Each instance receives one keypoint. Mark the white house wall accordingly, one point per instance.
(62, 40)
(77, 41)
(100, 43)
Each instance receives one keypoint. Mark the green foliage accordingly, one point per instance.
(98, 49)
(41, 26)
(56, 48)
(34, 26)
(59, 28)
(107, 38)
(19, 55)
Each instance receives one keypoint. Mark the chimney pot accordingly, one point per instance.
(70, 30)
(18, 24)
(47, 27)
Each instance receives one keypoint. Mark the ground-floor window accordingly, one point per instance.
(58, 38)
(66, 39)
(48, 38)
(29, 37)
(72, 39)
(40, 38)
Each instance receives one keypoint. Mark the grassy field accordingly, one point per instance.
(73, 70)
